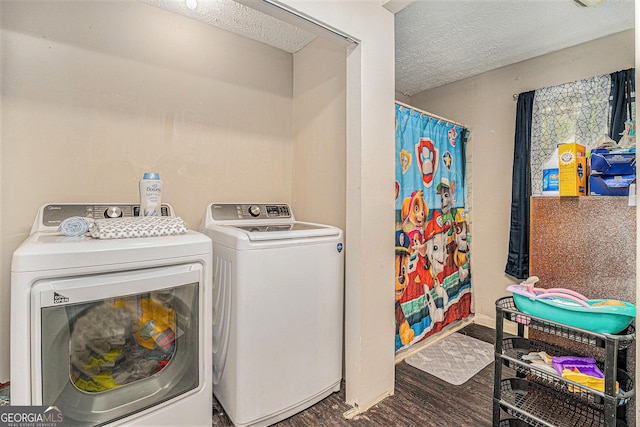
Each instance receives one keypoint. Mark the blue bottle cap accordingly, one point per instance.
(151, 175)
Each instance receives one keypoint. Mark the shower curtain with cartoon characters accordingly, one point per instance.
(433, 279)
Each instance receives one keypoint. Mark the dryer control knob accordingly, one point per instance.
(113, 212)
(254, 210)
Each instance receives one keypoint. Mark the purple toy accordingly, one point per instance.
(584, 365)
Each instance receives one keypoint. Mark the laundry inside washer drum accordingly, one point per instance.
(120, 341)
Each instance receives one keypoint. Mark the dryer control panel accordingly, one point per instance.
(250, 211)
(53, 214)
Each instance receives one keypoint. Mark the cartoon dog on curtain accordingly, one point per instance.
(432, 263)
(428, 255)
(402, 280)
(433, 283)
(414, 212)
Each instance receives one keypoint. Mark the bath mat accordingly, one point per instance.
(453, 359)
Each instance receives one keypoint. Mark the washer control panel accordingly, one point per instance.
(54, 214)
(250, 211)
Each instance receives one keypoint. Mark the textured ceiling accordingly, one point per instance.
(240, 19)
(443, 41)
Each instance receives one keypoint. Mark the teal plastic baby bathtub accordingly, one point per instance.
(577, 312)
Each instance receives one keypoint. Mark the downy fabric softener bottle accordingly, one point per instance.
(150, 194)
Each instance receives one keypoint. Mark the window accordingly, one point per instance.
(572, 112)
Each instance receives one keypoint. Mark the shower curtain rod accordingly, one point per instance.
(431, 115)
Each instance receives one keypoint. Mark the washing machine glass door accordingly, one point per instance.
(116, 344)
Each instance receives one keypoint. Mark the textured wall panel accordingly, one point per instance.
(587, 244)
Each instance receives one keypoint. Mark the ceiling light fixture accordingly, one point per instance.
(191, 4)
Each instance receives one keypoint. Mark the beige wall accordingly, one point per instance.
(319, 133)
(485, 104)
(95, 94)
(403, 98)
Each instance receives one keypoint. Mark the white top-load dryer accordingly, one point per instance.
(277, 310)
(112, 332)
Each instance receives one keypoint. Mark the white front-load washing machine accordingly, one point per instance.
(112, 332)
(277, 311)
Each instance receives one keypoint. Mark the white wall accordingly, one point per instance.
(96, 93)
(370, 322)
(485, 104)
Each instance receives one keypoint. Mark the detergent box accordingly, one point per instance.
(572, 169)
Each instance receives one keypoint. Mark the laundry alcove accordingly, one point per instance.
(97, 93)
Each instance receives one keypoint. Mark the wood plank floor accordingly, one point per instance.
(420, 400)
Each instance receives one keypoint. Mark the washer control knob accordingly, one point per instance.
(113, 212)
(254, 210)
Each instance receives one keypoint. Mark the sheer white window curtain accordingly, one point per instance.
(571, 112)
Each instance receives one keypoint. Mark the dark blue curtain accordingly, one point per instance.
(518, 257)
(623, 84)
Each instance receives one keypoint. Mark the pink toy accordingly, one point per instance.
(533, 293)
